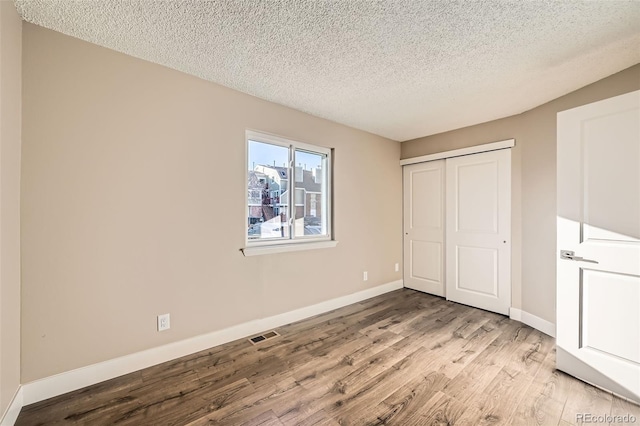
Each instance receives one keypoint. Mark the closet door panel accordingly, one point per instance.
(423, 192)
(478, 231)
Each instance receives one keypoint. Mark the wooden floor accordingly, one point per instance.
(404, 358)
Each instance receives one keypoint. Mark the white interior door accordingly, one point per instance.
(423, 192)
(598, 279)
(478, 253)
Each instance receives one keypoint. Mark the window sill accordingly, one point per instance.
(284, 248)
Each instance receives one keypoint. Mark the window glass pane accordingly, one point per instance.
(311, 193)
(267, 191)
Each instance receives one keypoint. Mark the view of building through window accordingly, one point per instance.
(286, 192)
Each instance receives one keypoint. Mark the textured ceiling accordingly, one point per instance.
(396, 68)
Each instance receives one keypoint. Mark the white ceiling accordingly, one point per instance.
(397, 68)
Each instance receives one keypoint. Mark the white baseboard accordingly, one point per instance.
(58, 384)
(538, 323)
(11, 414)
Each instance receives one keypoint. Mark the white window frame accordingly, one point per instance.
(294, 242)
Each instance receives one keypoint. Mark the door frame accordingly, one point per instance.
(475, 149)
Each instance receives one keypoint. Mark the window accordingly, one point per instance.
(288, 192)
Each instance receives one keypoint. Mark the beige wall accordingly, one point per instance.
(133, 200)
(534, 183)
(10, 112)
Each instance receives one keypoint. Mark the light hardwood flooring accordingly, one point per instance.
(403, 358)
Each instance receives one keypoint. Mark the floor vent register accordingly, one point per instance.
(263, 337)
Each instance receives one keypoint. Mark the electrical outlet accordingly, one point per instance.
(397, 267)
(365, 276)
(164, 322)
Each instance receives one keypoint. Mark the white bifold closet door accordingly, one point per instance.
(478, 230)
